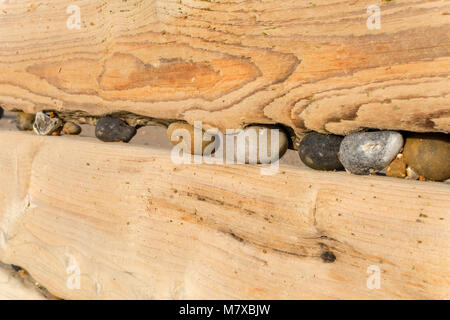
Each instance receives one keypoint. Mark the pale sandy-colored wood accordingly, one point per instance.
(13, 288)
(139, 226)
(308, 65)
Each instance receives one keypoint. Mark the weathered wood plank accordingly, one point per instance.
(138, 226)
(310, 66)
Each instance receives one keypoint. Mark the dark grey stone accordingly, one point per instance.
(110, 129)
(370, 152)
(320, 151)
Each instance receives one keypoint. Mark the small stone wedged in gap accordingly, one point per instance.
(110, 129)
(411, 174)
(47, 124)
(397, 168)
(255, 137)
(428, 154)
(365, 153)
(25, 121)
(71, 128)
(320, 151)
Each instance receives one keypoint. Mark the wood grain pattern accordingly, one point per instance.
(307, 65)
(139, 226)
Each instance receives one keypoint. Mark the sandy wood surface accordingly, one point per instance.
(138, 226)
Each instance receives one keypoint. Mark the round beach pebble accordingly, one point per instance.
(110, 129)
(369, 152)
(429, 155)
(71, 128)
(46, 124)
(255, 147)
(320, 151)
(25, 121)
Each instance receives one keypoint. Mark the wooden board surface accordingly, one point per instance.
(308, 65)
(135, 225)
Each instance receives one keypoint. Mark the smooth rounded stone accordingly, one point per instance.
(71, 128)
(47, 124)
(183, 135)
(255, 145)
(110, 129)
(320, 151)
(25, 121)
(397, 168)
(369, 152)
(429, 155)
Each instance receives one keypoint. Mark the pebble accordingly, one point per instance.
(397, 168)
(369, 152)
(263, 135)
(110, 129)
(184, 138)
(411, 174)
(429, 155)
(25, 121)
(71, 128)
(47, 124)
(320, 151)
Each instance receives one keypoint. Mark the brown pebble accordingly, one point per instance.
(397, 168)
(71, 128)
(428, 154)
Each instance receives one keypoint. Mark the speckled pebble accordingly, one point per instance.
(110, 129)
(320, 151)
(71, 128)
(25, 121)
(370, 152)
(47, 124)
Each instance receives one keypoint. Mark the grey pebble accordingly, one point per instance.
(110, 129)
(369, 152)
